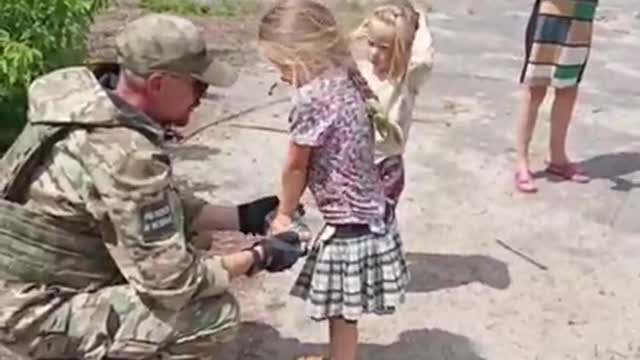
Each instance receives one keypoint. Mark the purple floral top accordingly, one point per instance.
(329, 115)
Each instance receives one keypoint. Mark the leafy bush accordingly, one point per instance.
(225, 8)
(179, 7)
(37, 36)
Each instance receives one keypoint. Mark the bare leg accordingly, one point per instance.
(561, 116)
(344, 339)
(532, 98)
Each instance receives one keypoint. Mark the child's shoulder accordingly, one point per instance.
(330, 88)
(366, 68)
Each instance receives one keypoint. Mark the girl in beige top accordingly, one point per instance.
(400, 60)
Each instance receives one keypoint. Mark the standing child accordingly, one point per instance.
(357, 264)
(400, 60)
(558, 43)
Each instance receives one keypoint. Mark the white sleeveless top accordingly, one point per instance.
(398, 99)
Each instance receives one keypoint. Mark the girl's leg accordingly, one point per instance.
(533, 96)
(561, 115)
(344, 339)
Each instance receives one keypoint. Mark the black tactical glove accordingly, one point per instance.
(252, 215)
(279, 252)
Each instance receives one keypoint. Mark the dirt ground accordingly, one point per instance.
(496, 275)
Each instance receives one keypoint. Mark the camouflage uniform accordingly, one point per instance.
(95, 258)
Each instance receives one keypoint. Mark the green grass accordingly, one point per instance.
(223, 8)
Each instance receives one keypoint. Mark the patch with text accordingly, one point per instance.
(157, 219)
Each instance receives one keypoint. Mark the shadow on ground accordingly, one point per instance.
(613, 167)
(193, 152)
(430, 272)
(259, 341)
(187, 184)
(433, 272)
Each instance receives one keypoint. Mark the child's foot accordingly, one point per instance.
(568, 171)
(524, 182)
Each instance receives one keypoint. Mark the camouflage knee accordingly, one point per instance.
(115, 323)
(216, 322)
(193, 333)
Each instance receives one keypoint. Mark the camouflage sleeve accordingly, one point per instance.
(192, 207)
(144, 220)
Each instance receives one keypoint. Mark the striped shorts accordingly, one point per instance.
(558, 42)
(349, 277)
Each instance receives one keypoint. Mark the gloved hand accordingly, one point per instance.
(252, 215)
(279, 252)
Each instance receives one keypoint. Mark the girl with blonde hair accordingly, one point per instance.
(356, 264)
(400, 60)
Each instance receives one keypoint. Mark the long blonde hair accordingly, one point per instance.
(395, 23)
(305, 33)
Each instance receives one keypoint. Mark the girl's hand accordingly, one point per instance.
(280, 223)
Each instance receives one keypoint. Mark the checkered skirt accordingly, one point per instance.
(349, 277)
(558, 42)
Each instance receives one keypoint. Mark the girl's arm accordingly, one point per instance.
(294, 178)
(422, 54)
(294, 182)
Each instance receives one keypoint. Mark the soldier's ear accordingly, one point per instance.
(155, 83)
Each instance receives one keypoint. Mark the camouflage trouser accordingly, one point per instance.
(114, 323)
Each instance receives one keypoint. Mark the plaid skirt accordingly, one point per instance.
(349, 277)
(558, 42)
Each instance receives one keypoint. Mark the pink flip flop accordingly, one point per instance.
(569, 172)
(524, 182)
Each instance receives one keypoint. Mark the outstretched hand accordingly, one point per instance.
(255, 217)
(252, 215)
(280, 224)
(279, 252)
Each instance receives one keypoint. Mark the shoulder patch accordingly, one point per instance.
(157, 219)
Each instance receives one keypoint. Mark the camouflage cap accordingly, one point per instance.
(170, 43)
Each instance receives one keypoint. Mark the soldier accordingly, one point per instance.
(96, 252)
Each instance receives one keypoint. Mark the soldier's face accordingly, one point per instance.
(174, 97)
